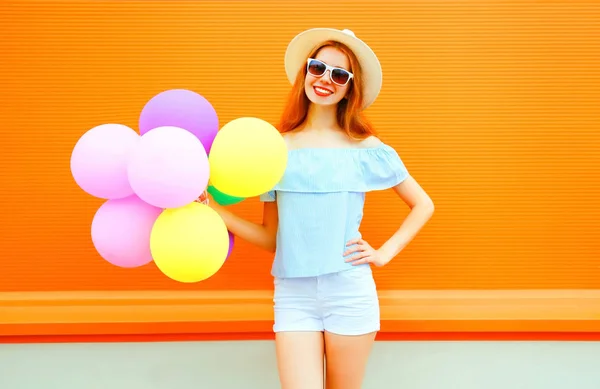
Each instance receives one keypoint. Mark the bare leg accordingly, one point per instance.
(300, 359)
(346, 359)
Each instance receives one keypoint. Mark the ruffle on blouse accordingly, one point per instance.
(326, 170)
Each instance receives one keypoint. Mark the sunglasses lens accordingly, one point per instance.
(316, 68)
(340, 76)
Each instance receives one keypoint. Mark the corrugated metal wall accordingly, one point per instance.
(493, 105)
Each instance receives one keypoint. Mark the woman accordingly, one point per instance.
(325, 300)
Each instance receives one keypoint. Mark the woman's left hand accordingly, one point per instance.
(366, 253)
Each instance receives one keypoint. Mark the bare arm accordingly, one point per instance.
(422, 209)
(261, 235)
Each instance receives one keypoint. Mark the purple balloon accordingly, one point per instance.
(99, 160)
(169, 168)
(121, 231)
(184, 109)
(231, 240)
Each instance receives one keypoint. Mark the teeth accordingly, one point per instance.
(323, 90)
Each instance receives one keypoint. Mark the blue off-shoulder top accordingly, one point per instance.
(320, 201)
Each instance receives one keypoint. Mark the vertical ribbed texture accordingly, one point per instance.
(493, 106)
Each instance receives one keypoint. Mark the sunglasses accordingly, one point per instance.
(338, 76)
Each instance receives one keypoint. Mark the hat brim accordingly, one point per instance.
(304, 43)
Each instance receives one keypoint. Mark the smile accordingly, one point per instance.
(322, 91)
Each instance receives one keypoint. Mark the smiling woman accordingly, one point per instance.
(325, 294)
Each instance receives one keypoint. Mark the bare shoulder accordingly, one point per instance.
(370, 142)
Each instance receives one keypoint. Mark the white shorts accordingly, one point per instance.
(344, 303)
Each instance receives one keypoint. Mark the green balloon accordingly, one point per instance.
(222, 198)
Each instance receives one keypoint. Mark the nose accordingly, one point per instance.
(326, 77)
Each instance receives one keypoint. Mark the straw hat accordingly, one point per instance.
(304, 43)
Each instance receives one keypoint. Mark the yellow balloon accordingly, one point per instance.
(247, 158)
(190, 243)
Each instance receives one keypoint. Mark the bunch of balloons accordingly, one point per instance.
(151, 182)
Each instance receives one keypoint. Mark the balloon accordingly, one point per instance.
(99, 160)
(248, 158)
(231, 241)
(190, 243)
(121, 231)
(222, 198)
(184, 109)
(169, 168)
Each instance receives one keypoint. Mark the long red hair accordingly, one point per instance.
(349, 109)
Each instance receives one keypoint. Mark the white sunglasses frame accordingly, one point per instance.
(330, 69)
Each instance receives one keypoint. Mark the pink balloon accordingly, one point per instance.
(169, 167)
(184, 109)
(121, 231)
(99, 161)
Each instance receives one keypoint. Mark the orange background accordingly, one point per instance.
(492, 105)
